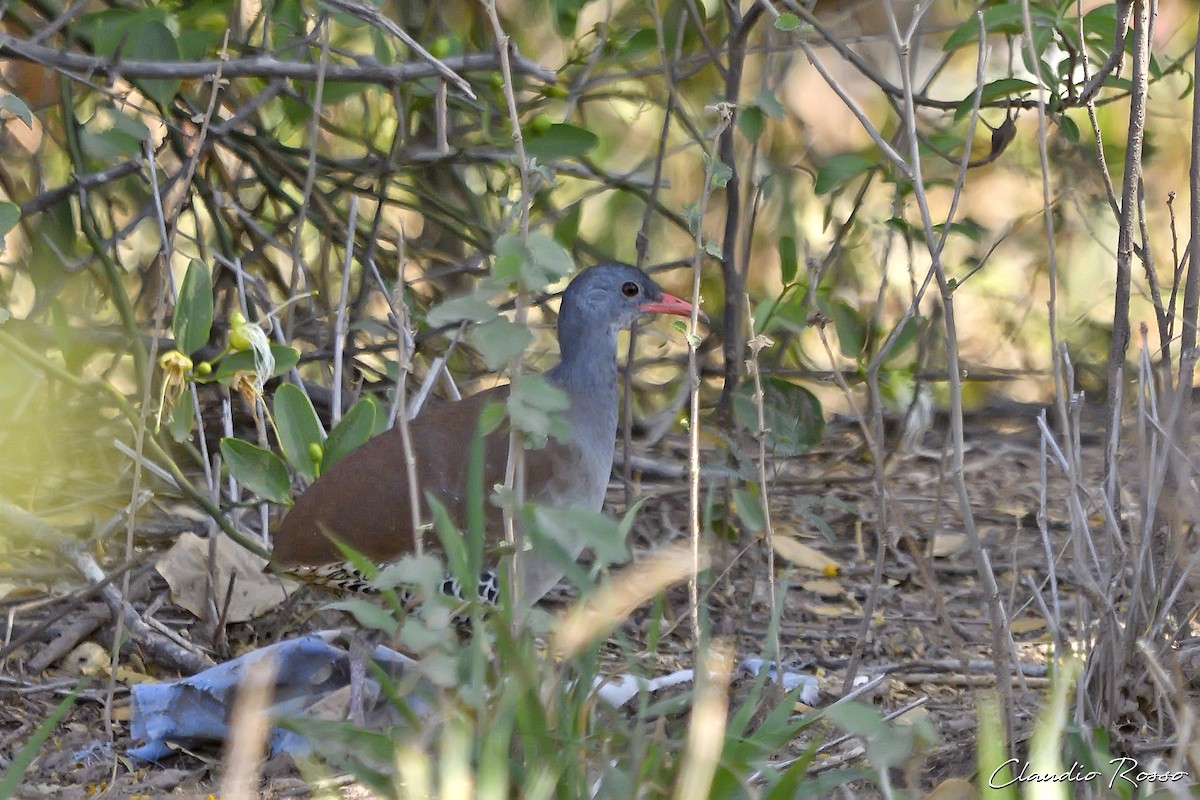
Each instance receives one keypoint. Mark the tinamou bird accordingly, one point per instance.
(364, 500)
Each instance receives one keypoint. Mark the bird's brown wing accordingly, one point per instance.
(364, 499)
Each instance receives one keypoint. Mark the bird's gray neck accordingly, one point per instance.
(587, 372)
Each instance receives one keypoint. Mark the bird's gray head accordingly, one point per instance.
(612, 295)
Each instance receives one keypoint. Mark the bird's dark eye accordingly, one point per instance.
(630, 289)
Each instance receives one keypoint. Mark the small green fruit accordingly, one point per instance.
(441, 47)
(540, 125)
(238, 340)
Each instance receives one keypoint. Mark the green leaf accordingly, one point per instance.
(751, 121)
(840, 169)
(905, 338)
(851, 328)
(153, 41)
(549, 260)
(640, 43)
(789, 262)
(787, 21)
(471, 307)
(714, 249)
(351, 432)
(566, 15)
(575, 526)
(288, 25)
(110, 136)
(567, 227)
(721, 174)
(1101, 23)
(1001, 18)
(367, 614)
(1069, 129)
(453, 544)
(534, 407)
(285, 358)
(425, 572)
(537, 392)
(195, 44)
(339, 91)
(16, 106)
(499, 340)
(560, 140)
(194, 309)
(259, 470)
(793, 415)
(770, 105)
(691, 213)
(1004, 87)
(966, 227)
(183, 418)
(511, 255)
(749, 508)
(381, 414)
(298, 428)
(10, 215)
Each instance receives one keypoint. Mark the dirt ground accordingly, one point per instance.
(928, 628)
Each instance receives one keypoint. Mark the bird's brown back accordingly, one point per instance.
(364, 499)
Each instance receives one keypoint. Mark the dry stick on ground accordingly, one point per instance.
(158, 641)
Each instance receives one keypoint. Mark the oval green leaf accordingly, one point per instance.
(840, 169)
(10, 215)
(350, 433)
(298, 428)
(794, 420)
(561, 140)
(194, 309)
(259, 470)
(153, 41)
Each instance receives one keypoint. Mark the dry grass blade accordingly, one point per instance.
(250, 726)
(622, 593)
(706, 734)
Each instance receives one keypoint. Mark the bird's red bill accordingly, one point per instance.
(670, 304)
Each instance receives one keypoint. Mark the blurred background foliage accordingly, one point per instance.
(123, 162)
